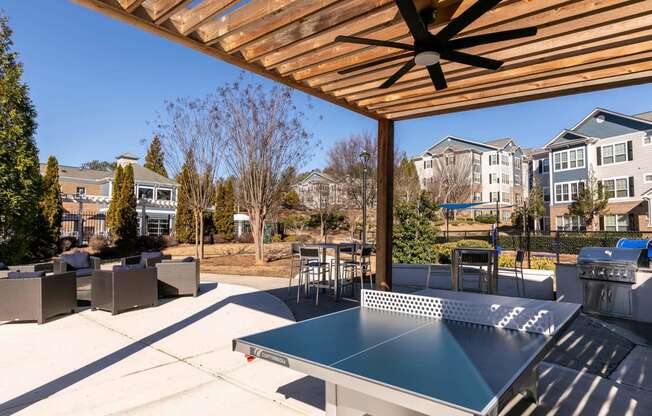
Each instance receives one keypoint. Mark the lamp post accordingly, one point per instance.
(364, 158)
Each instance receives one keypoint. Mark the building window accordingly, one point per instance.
(544, 166)
(476, 159)
(647, 140)
(569, 159)
(477, 177)
(518, 200)
(504, 159)
(505, 178)
(616, 187)
(546, 194)
(570, 223)
(505, 196)
(145, 192)
(616, 222)
(158, 226)
(493, 178)
(427, 164)
(614, 153)
(647, 178)
(81, 191)
(567, 192)
(450, 160)
(493, 160)
(164, 194)
(494, 196)
(477, 196)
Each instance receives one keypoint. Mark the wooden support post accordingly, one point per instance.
(384, 210)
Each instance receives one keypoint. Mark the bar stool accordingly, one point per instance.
(361, 263)
(348, 265)
(295, 255)
(312, 272)
(518, 268)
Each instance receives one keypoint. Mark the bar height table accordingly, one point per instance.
(472, 256)
(336, 247)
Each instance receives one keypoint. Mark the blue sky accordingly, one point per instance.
(97, 82)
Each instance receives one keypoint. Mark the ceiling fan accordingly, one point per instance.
(429, 49)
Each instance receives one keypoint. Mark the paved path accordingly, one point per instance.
(173, 359)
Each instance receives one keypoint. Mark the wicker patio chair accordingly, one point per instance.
(178, 277)
(83, 264)
(31, 296)
(149, 259)
(124, 288)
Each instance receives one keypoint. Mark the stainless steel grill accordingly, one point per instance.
(607, 275)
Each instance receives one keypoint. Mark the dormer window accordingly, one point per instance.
(145, 192)
(647, 139)
(600, 119)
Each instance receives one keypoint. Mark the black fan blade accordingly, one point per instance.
(469, 16)
(473, 60)
(374, 42)
(414, 22)
(470, 41)
(398, 74)
(437, 76)
(374, 63)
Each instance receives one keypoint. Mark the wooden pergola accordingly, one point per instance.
(581, 45)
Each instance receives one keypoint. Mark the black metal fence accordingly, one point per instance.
(83, 225)
(553, 243)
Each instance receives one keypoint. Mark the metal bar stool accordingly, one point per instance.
(295, 255)
(313, 272)
(518, 269)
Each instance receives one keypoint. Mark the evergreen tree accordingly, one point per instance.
(184, 223)
(20, 178)
(51, 202)
(224, 209)
(126, 215)
(115, 198)
(155, 158)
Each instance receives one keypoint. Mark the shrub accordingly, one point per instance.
(444, 252)
(486, 219)
(536, 263)
(151, 242)
(276, 238)
(170, 241)
(66, 243)
(99, 243)
(246, 238)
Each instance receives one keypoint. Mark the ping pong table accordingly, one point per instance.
(434, 352)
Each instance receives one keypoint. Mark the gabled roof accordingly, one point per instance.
(71, 172)
(566, 138)
(601, 123)
(500, 143)
(455, 143)
(317, 176)
(127, 155)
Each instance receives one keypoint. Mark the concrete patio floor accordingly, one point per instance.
(177, 359)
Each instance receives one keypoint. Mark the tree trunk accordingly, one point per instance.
(258, 233)
(201, 235)
(196, 235)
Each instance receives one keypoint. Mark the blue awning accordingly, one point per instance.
(466, 205)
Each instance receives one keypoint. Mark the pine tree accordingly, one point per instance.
(126, 214)
(20, 178)
(115, 198)
(155, 158)
(51, 202)
(184, 223)
(224, 209)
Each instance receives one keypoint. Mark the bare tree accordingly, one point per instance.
(266, 142)
(451, 179)
(344, 162)
(406, 180)
(191, 133)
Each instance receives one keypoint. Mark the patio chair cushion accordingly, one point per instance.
(79, 260)
(128, 267)
(87, 271)
(188, 259)
(22, 275)
(149, 255)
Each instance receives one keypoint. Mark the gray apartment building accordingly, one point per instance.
(498, 170)
(614, 148)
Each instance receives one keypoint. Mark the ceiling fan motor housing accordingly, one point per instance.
(426, 58)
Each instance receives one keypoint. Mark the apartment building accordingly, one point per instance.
(614, 148)
(497, 170)
(319, 190)
(539, 175)
(87, 194)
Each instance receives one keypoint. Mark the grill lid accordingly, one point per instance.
(631, 256)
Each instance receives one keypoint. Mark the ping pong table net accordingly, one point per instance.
(520, 318)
